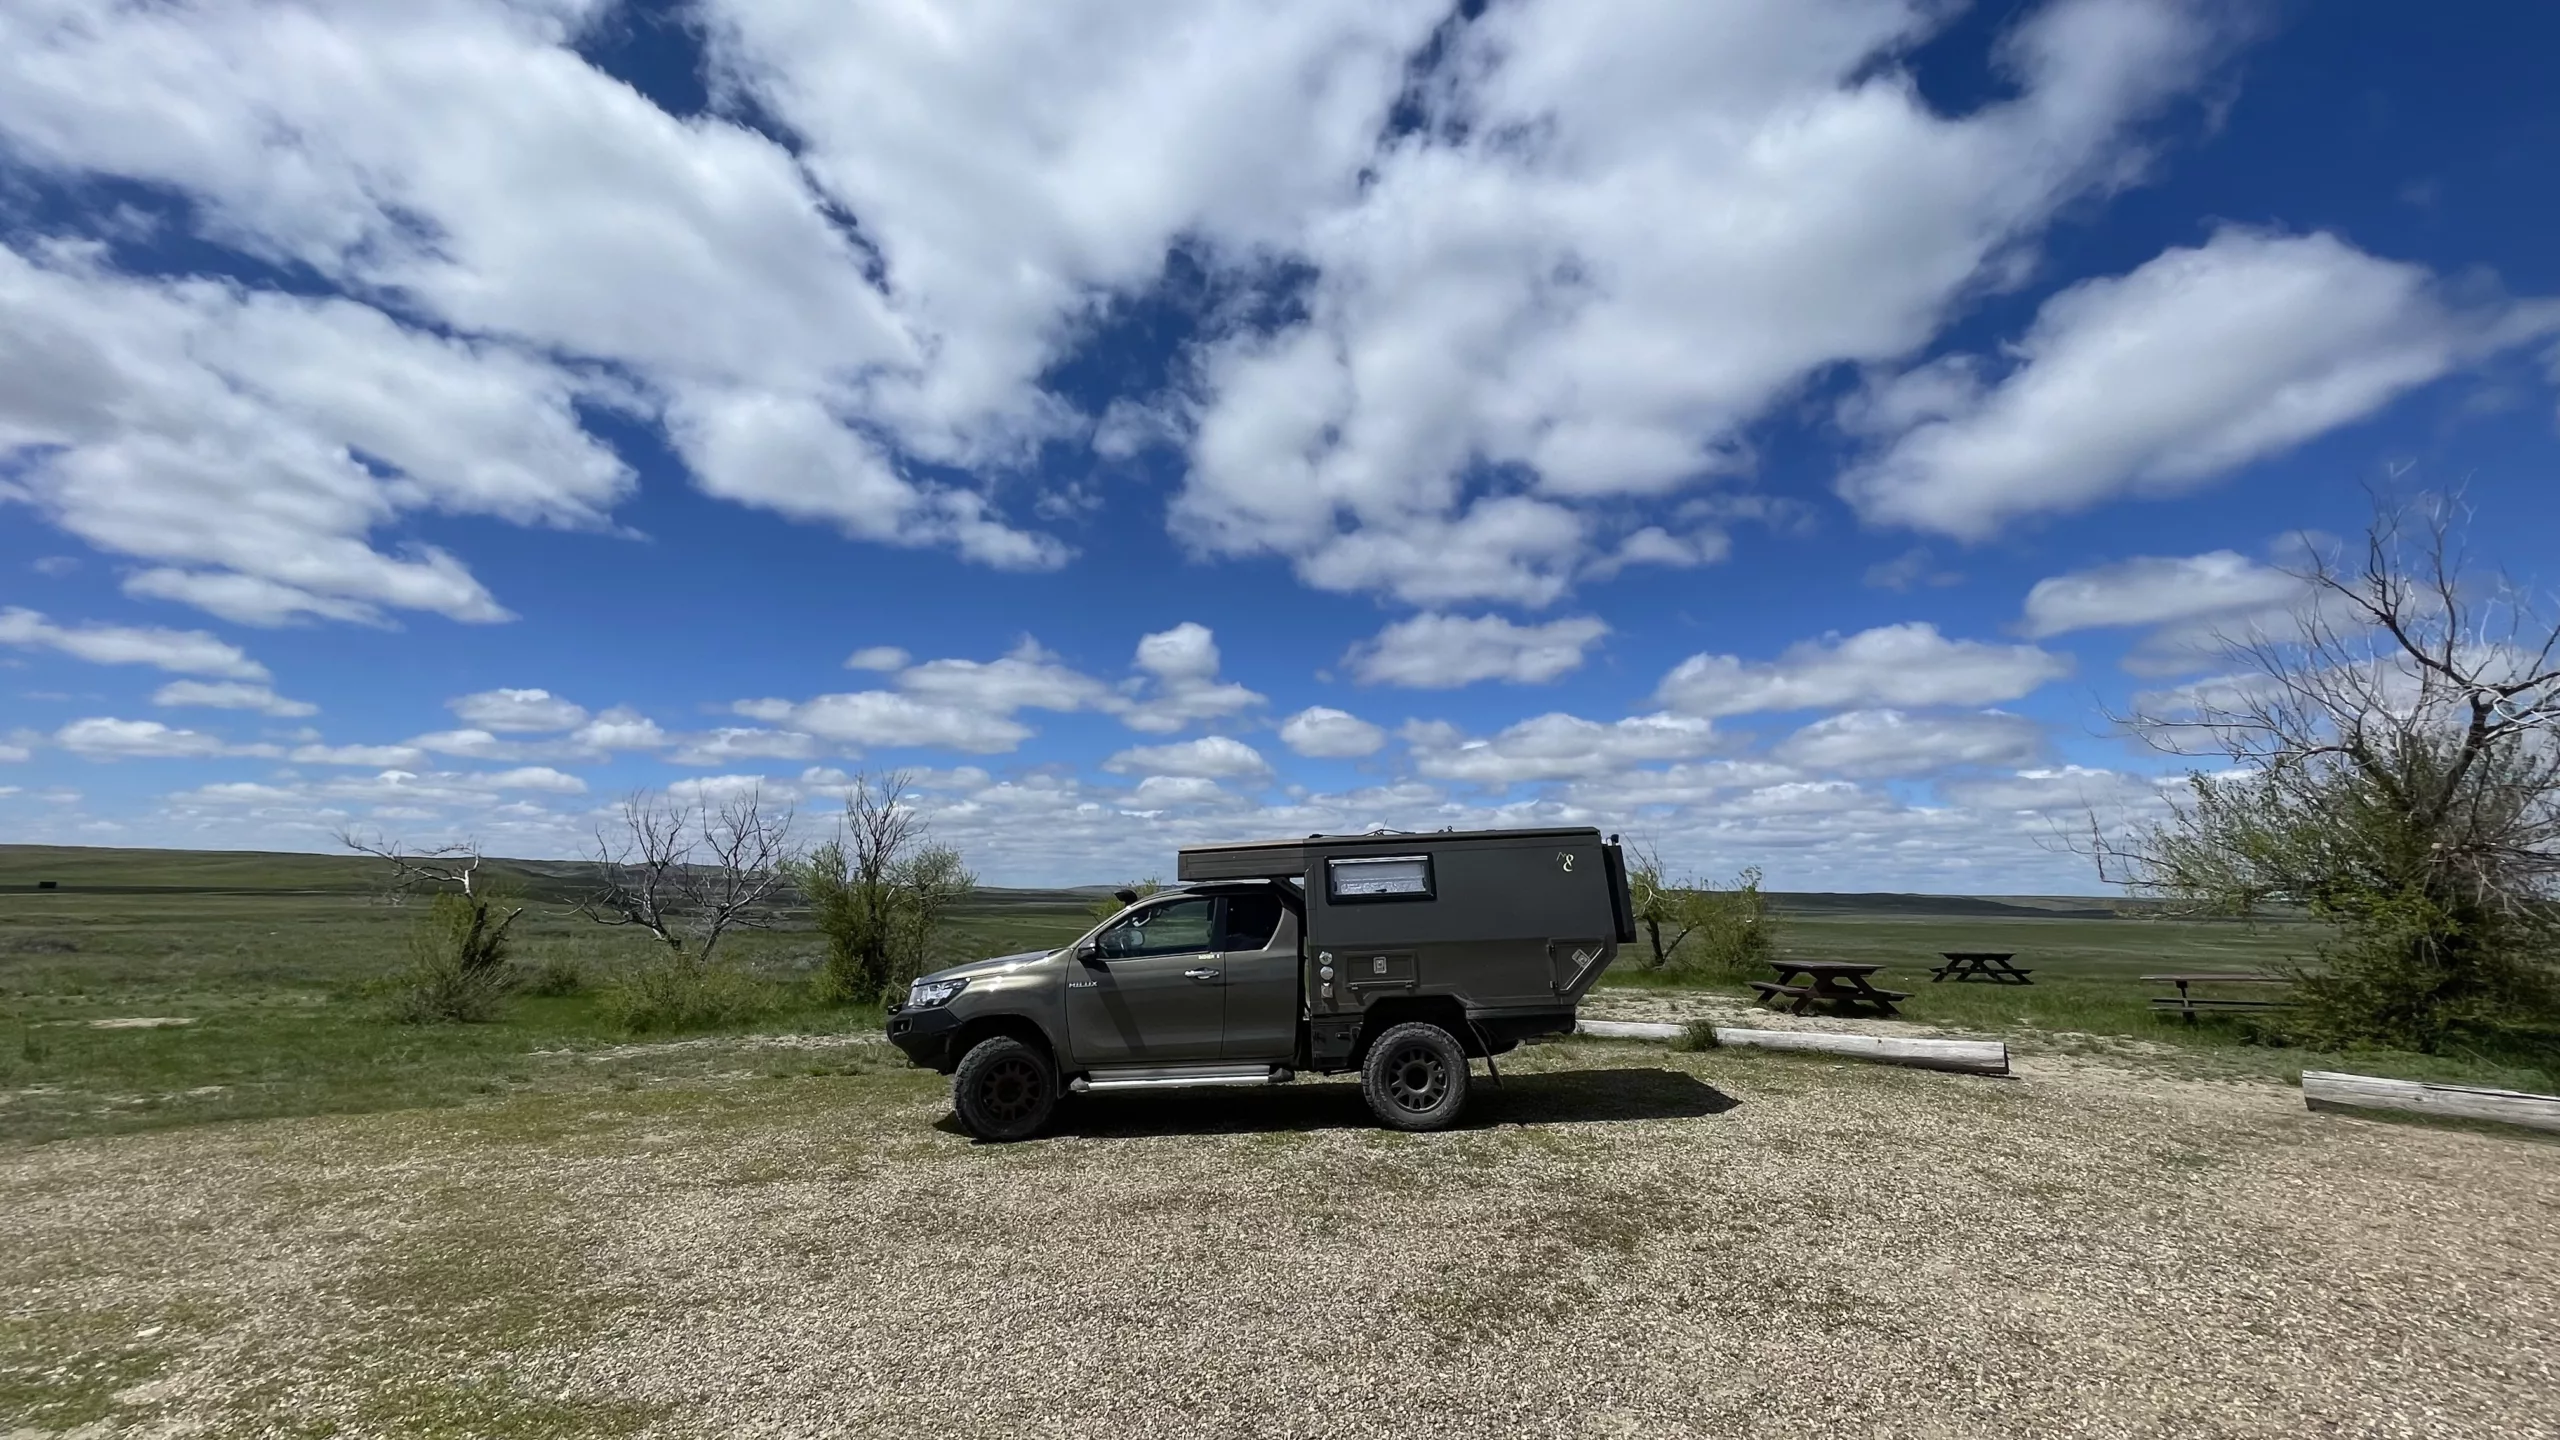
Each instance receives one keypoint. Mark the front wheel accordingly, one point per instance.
(1004, 1089)
(1416, 1078)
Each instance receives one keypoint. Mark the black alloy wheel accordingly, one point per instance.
(1415, 1078)
(1004, 1089)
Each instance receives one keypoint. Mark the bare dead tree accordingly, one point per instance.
(2385, 757)
(453, 868)
(690, 872)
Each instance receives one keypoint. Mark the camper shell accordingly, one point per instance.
(1404, 956)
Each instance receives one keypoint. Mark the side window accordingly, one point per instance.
(1176, 927)
(1378, 877)
(1251, 919)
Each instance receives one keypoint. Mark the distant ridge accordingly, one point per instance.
(107, 870)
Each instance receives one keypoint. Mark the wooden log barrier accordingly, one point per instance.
(2328, 1090)
(1971, 1057)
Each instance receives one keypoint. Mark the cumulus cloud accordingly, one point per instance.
(1879, 743)
(106, 738)
(1892, 665)
(1553, 747)
(1623, 232)
(1322, 732)
(877, 657)
(2161, 380)
(2154, 590)
(730, 745)
(231, 695)
(184, 652)
(620, 728)
(1617, 233)
(517, 710)
(380, 757)
(1442, 652)
(1211, 757)
(882, 719)
(1180, 684)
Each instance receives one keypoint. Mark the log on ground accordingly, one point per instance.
(1971, 1057)
(2329, 1090)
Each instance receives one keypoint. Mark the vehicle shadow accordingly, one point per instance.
(1569, 1097)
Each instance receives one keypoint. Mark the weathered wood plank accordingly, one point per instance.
(2329, 1090)
(1972, 1057)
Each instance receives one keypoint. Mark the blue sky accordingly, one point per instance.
(1777, 431)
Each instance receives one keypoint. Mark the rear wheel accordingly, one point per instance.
(1004, 1089)
(1415, 1078)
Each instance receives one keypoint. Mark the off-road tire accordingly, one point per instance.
(1415, 1078)
(1004, 1089)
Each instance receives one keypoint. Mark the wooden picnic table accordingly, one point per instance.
(2189, 1005)
(1992, 965)
(1839, 983)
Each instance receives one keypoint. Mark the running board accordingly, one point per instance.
(1169, 1078)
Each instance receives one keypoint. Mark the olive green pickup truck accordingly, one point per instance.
(1404, 957)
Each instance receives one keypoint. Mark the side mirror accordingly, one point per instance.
(1126, 898)
(1089, 953)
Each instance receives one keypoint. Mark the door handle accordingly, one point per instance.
(1204, 973)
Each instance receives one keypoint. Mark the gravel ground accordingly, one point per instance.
(1623, 1241)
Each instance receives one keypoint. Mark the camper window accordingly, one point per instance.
(1380, 877)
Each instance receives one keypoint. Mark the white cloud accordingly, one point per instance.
(1028, 678)
(231, 695)
(103, 738)
(1899, 665)
(1211, 757)
(725, 746)
(1180, 684)
(1320, 731)
(886, 720)
(877, 657)
(2158, 381)
(2154, 590)
(531, 777)
(2061, 791)
(381, 757)
(13, 754)
(1554, 747)
(1439, 652)
(1168, 792)
(184, 652)
(1876, 743)
(620, 728)
(1625, 231)
(517, 710)
(470, 744)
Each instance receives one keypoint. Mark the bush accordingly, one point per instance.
(1697, 1035)
(457, 972)
(683, 995)
(557, 975)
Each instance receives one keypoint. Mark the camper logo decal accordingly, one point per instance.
(1564, 861)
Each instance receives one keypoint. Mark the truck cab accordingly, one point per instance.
(1403, 957)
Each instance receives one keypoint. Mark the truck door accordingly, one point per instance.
(1154, 992)
(1259, 952)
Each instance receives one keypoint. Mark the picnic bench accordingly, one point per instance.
(1992, 965)
(1838, 983)
(2190, 1005)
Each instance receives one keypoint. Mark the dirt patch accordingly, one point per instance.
(1622, 1241)
(142, 1022)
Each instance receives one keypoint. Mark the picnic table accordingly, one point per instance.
(2190, 1005)
(1839, 983)
(1992, 965)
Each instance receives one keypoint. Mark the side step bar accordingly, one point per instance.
(1176, 1078)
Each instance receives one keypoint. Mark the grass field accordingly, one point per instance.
(277, 964)
(545, 1227)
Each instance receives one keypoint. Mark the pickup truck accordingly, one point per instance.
(1403, 957)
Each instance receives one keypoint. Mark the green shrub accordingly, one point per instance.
(683, 995)
(557, 975)
(1697, 1035)
(457, 972)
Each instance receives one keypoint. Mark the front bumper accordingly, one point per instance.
(925, 1035)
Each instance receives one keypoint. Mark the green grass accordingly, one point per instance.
(279, 963)
(2088, 982)
(284, 995)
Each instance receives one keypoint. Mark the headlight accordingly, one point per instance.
(925, 994)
